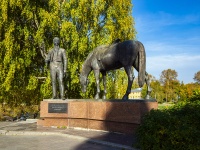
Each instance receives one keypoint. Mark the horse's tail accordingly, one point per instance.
(142, 64)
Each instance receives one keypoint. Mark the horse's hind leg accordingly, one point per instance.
(104, 84)
(130, 75)
(148, 86)
(96, 74)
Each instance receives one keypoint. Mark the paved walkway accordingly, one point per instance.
(27, 135)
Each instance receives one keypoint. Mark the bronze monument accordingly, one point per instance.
(57, 62)
(125, 54)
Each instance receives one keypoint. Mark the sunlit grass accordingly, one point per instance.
(165, 105)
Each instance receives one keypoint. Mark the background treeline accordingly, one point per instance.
(169, 89)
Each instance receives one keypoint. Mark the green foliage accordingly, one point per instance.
(117, 84)
(174, 128)
(195, 96)
(81, 25)
(17, 110)
(89, 24)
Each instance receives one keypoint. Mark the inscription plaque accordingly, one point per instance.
(57, 107)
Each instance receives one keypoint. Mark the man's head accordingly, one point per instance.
(56, 41)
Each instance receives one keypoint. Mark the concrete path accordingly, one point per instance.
(26, 135)
(49, 142)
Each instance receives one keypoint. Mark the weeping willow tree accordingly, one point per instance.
(26, 27)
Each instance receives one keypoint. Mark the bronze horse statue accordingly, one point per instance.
(127, 54)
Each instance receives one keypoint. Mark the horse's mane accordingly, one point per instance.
(89, 55)
(101, 47)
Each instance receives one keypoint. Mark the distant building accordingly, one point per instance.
(136, 93)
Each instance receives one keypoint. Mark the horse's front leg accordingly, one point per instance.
(130, 75)
(104, 84)
(148, 86)
(96, 74)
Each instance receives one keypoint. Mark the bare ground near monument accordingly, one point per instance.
(26, 134)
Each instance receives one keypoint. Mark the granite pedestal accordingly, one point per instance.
(109, 115)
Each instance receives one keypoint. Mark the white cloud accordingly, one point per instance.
(185, 65)
(172, 46)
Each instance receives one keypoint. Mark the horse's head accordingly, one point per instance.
(84, 82)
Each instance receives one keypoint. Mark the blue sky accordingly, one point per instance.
(170, 32)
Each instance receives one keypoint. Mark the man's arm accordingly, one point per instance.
(48, 57)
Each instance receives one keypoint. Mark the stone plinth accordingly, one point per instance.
(109, 115)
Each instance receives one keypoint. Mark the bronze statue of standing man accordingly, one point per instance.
(57, 62)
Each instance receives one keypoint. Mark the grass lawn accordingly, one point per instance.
(165, 105)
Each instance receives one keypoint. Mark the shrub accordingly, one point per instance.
(195, 96)
(171, 129)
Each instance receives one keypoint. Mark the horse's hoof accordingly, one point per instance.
(125, 97)
(97, 97)
(147, 97)
(104, 97)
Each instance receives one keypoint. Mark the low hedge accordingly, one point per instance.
(176, 128)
